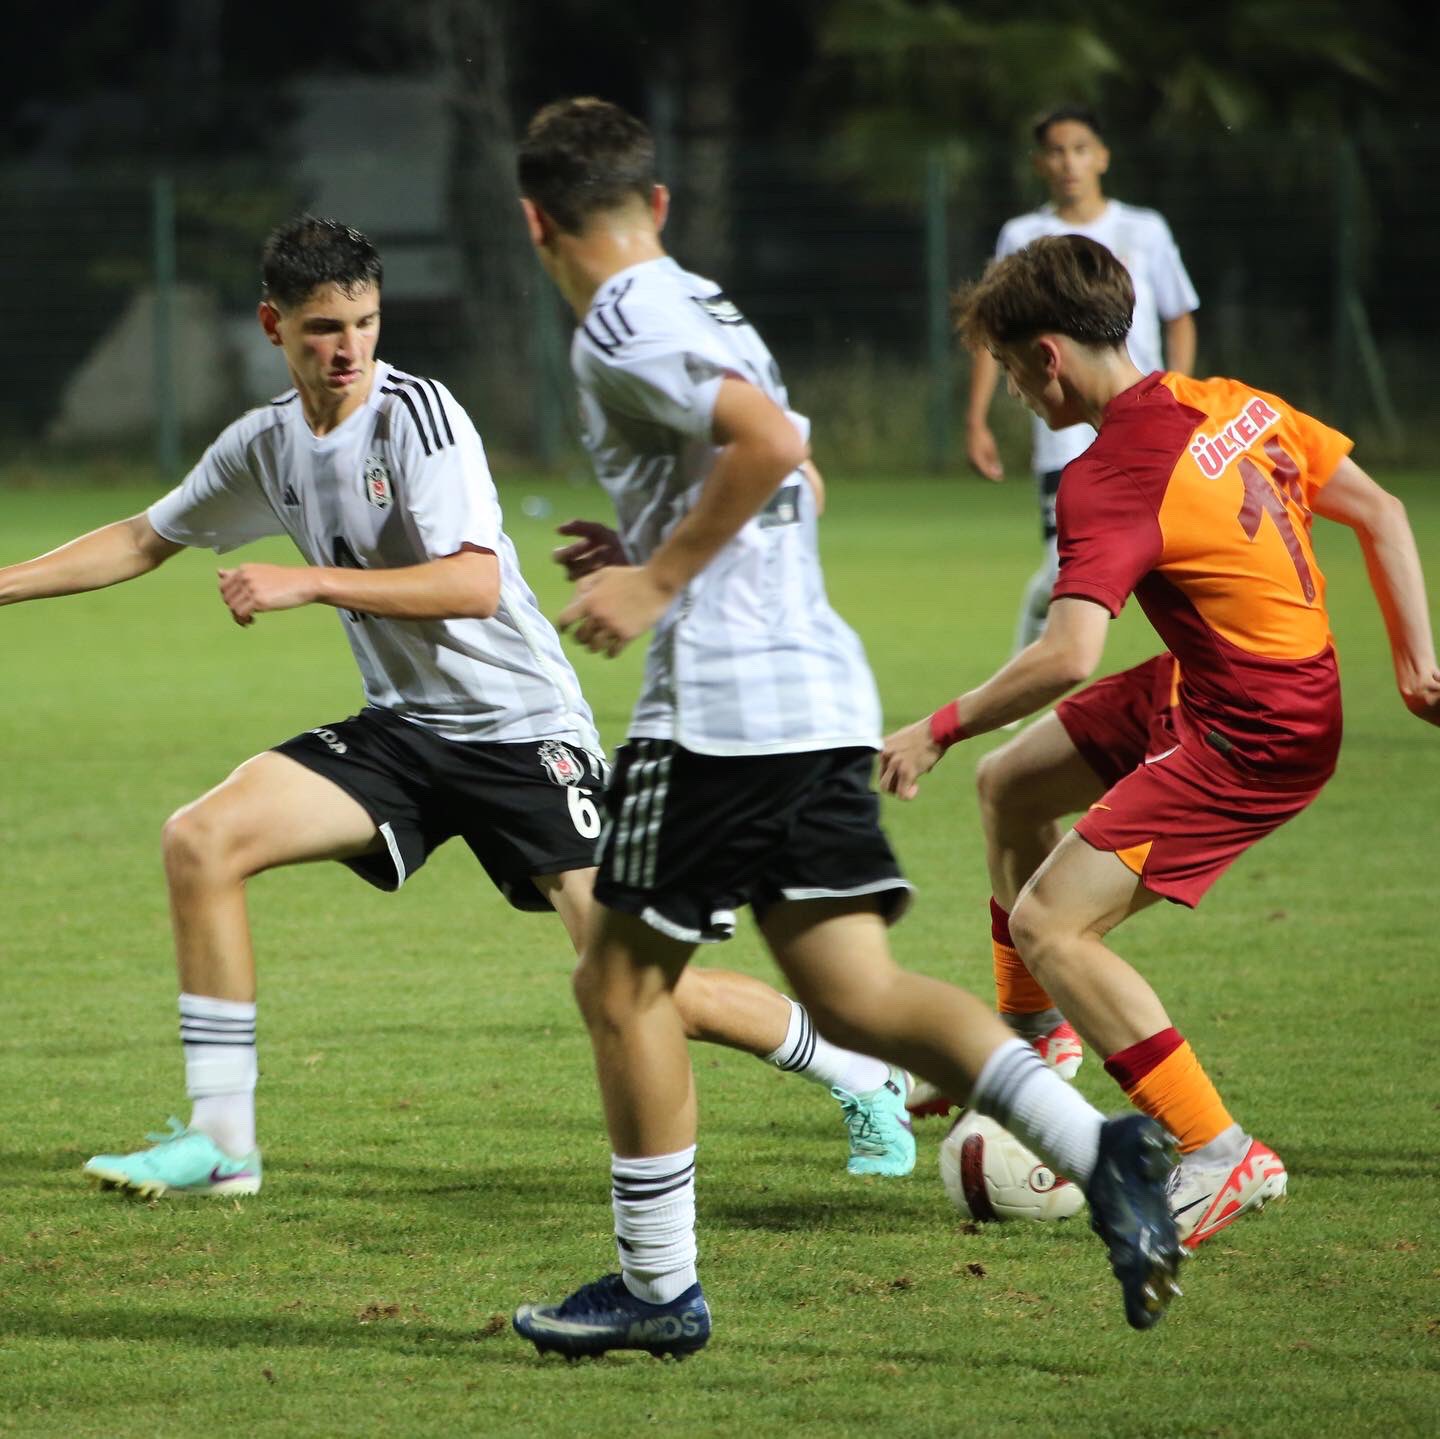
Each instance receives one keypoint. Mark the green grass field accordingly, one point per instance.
(433, 1140)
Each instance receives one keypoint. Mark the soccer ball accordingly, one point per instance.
(989, 1174)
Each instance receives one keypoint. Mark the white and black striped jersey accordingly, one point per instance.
(750, 658)
(401, 481)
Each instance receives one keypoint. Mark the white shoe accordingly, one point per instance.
(1204, 1199)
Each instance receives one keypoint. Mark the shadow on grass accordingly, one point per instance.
(490, 1342)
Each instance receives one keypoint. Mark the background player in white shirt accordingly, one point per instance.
(474, 723)
(746, 776)
(1072, 158)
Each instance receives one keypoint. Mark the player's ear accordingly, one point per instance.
(1102, 160)
(537, 222)
(1047, 352)
(269, 318)
(659, 206)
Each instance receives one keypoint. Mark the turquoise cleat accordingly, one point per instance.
(182, 1161)
(881, 1140)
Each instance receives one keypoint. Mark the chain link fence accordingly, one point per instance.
(128, 296)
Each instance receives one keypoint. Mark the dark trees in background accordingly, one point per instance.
(472, 48)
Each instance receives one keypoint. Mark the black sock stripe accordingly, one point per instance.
(618, 1193)
(638, 1185)
(803, 1050)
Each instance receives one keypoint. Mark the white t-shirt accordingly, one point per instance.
(750, 658)
(1142, 242)
(400, 482)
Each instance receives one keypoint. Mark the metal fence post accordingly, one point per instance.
(940, 354)
(167, 418)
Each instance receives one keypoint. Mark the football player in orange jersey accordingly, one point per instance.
(1197, 498)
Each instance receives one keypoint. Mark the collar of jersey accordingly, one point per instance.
(663, 262)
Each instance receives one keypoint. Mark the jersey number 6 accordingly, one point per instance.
(583, 813)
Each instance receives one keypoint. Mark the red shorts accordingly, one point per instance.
(1176, 812)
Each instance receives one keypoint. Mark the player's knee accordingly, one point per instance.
(695, 1000)
(1000, 788)
(196, 841)
(1035, 934)
(609, 996)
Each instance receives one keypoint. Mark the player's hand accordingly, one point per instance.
(983, 453)
(596, 547)
(1422, 697)
(906, 755)
(612, 607)
(250, 590)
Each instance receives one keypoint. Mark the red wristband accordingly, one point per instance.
(945, 726)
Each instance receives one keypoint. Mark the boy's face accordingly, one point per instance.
(1071, 159)
(329, 339)
(1032, 375)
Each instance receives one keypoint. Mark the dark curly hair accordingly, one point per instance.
(307, 252)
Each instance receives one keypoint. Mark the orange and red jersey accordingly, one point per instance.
(1196, 498)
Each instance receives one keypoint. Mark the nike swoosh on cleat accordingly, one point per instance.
(1185, 1207)
(216, 1177)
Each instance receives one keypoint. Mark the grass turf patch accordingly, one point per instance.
(434, 1149)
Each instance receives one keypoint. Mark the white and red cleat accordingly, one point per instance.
(1061, 1049)
(1204, 1199)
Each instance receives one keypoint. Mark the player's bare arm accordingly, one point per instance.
(1066, 654)
(759, 447)
(1353, 499)
(980, 447)
(1180, 342)
(107, 556)
(459, 586)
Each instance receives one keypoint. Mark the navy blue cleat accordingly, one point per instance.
(1130, 1212)
(605, 1315)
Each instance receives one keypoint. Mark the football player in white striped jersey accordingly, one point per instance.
(747, 776)
(473, 724)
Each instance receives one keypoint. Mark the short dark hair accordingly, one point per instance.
(1058, 285)
(1080, 114)
(307, 252)
(582, 156)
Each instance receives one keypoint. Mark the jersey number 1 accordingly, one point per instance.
(1265, 495)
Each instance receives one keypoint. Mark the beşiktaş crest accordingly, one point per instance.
(376, 479)
(560, 762)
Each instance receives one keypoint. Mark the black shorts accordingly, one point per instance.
(689, 838)
(1047, 487)
(524, 809)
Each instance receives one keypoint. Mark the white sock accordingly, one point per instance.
(1040, 1109)
(1228, 1147)
(654, 1203)
(220, 1069)
(805, 1053)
